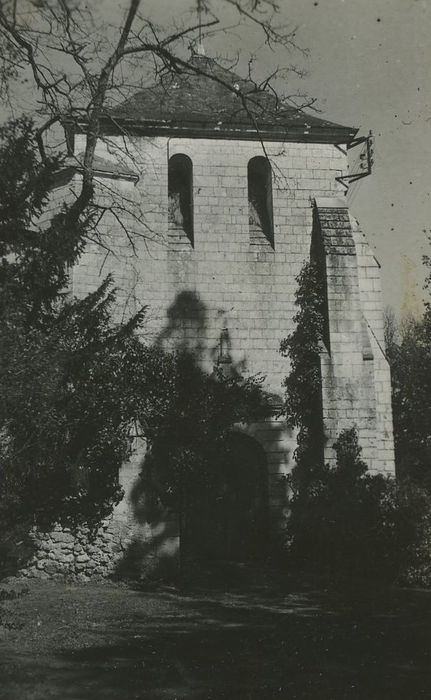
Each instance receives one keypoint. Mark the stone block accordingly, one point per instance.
(62, 537)
(82, 558)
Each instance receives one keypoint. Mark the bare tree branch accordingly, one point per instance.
(78, 70)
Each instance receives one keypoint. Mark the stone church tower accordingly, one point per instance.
(227, 206)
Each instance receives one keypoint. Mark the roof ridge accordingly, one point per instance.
(209, 96)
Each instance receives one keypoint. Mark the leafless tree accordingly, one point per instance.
(77, 64)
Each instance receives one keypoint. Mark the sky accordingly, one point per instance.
(367, 67)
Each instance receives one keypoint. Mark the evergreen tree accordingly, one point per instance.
(63, 363)
(76, 386)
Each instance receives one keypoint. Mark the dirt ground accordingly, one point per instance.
(251, 642)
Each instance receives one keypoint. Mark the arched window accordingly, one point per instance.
(260, 201)
(180, 195)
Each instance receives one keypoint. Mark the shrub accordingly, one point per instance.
(343, 519)
(413, 510)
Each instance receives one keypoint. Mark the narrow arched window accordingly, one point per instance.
(180, 196)
(260, 201)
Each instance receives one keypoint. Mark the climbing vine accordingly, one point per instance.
(343, 521)
(303, 400)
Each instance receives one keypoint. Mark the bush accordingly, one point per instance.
(343, 519)
(348, 523)
(413, 508)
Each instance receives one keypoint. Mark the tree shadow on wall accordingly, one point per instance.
(186, 326)
(201, 464)
(186, 331)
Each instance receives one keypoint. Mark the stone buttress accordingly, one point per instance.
(356, 386)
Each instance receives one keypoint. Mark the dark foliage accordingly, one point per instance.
(303, 397)
(64, 417)
(409, 354)
(344, 521)
(191, 442)
(413, 520)
(408, 349)
(75, 385)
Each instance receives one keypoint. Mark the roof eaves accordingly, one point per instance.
(317, 133)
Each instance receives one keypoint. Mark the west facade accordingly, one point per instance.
(224, 218)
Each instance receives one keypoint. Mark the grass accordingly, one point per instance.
(267, 639)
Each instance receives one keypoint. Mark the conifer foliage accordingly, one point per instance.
(63, 363)
(76, 387)
(303, 399)
(408, 349)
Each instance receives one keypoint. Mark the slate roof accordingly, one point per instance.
(209, 104)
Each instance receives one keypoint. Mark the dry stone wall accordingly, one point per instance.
(62, 553)
(125, 545)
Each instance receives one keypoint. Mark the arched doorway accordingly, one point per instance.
(228, 521)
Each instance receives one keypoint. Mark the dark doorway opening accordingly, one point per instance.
(228, 520)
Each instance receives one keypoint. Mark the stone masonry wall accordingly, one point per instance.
(223, 281)
(355, 373)
(370, 294)
(193, 293)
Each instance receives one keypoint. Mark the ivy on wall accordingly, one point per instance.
(303, 392)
